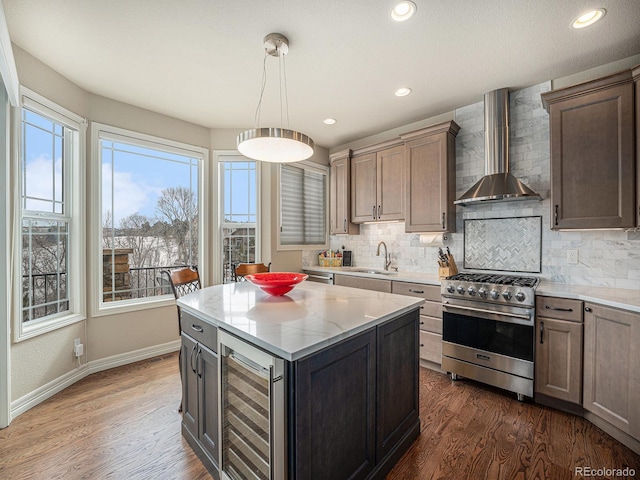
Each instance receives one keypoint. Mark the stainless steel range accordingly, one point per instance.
(488, 329)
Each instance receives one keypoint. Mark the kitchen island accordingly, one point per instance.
(319, 383)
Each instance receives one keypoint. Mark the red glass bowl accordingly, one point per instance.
(276, 283)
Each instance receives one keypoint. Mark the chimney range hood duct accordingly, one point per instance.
(497, 184)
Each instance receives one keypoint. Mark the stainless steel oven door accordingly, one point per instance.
(508, 334)
(253, 410)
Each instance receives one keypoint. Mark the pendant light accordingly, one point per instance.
(275, 144)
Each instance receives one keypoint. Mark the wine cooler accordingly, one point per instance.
(253, 409)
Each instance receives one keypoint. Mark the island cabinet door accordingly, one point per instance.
(335, 407)
(188, 357)
(398, 401)
(207, 372)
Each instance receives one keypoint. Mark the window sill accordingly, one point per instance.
(24, 332)
(125, 306)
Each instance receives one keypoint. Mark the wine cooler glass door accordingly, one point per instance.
(249, 429)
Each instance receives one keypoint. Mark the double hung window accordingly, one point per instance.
(239, 182)
(50, 212)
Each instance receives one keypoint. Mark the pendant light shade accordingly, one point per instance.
(275, 144)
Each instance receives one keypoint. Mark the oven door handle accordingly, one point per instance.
(493, 312)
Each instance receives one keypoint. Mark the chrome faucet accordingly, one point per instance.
(387, 257)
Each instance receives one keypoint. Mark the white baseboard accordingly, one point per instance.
(44, 392)
(131, 357)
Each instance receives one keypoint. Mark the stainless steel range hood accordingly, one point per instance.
(497, 184)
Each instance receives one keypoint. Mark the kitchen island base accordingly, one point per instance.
(352, 407)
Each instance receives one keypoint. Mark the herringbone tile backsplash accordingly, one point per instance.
(507, 244)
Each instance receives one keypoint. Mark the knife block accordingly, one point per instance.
(444, 272)
(452, 269)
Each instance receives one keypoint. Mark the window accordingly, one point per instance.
(50, 213)
(238, 213)
(303, 206)
(150, 213)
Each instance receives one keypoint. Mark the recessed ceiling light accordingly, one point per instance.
(330, 121)
(403, 92)
(588, 18)
(403, 11)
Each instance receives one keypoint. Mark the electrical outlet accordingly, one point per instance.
(572, 257)
(78, 348)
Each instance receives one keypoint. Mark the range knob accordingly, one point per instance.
(482, 292)
(460, 289)
(472, 291)
(451, 288)
(506, 295)
(520, 296)
(494, 294)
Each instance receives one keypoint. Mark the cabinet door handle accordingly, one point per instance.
(345, 224)
(421, 323)
(558, 309)
(422, 344)
(555, 216)
(416, 291)
(197, 328)
(378, 212)
(541, 333)
(193, 350)
(198, 362)
(374, 212)
(443, 220)
(587, 309)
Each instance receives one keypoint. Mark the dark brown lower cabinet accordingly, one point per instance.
(356, 403)
(200, 382)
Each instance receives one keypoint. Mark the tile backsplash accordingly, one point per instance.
(511, 244)
(605, 258)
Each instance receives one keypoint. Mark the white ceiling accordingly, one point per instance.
(201, 60)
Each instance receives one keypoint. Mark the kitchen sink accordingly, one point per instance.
(372, 271)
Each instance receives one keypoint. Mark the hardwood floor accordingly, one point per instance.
(124, 423)
(471, 431)
(117, 424)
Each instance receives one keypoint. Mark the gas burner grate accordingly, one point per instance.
(497, 279)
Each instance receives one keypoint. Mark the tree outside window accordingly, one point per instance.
(150, 215)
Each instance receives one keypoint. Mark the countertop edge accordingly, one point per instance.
(299, 354)
(412, 277)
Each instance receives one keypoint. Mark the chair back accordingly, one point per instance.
(183, 280)
(249, 268)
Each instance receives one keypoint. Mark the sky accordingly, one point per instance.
(138, 176)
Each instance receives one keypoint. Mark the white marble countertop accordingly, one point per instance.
(415, 277)
(614, 297)
(309, 318)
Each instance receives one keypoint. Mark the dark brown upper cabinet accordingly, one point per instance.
(377, 184)
(340, 185)
(592, 135)
(430, 178)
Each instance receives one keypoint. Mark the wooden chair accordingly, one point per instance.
(183, 280)
(249, 268)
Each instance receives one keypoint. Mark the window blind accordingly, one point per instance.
(302, 206)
